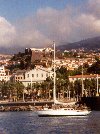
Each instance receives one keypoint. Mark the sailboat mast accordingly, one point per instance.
(97, 94)
(82, 81)
(54, 90)
(31, 81)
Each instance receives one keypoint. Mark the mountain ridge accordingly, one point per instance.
(89, 44)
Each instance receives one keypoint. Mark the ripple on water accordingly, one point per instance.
(29, 123)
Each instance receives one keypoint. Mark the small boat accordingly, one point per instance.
(62, 112)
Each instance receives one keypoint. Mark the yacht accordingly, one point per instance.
(62, 112)
(62, 109)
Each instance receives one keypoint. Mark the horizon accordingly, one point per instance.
(36, 23)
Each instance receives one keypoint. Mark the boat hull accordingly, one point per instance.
(45, 113)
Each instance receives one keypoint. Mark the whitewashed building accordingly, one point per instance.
(38, 74)
(4, 74)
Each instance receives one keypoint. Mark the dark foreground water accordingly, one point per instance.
(29, 123)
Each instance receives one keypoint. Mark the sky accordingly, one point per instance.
(32, 23)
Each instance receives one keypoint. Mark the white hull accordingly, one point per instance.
(62, 112)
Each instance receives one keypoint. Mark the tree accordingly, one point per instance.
(78, 87)
(95, 68)
(61, 80)
(19, 87)
(62, 73)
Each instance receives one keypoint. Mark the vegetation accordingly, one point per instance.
(22, 61)
(95, 68)
(12, 91)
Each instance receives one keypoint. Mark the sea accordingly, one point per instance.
(30, 123)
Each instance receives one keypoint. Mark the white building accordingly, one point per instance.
(4, 74)
(38, 74)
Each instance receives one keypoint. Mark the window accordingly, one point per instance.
(32, 75)
(27, 75)
(37, 75)
(41, 75)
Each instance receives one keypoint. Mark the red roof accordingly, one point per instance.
(84, 76)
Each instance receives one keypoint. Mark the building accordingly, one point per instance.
(40, 54)
(79, 77)
(19, 75)
(37, 55)
(4, 74)
(38, 74)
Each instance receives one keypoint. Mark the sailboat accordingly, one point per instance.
(61, 110)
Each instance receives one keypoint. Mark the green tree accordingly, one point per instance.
(19, 87)
(78, 87)
(62, 81)
(95, 68)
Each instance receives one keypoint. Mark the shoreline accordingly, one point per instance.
(23, 106)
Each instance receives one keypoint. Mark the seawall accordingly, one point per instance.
(32, 103)
(92, 102)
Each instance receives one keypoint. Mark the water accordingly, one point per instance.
(29, 123)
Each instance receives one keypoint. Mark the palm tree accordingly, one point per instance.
(5, 89)
(78, 87)
(19, 87)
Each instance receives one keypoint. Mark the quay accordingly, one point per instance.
(23, 106)
(32, 103)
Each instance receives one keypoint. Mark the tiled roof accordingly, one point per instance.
(84, 76)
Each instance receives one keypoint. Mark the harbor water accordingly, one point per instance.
(30, 123)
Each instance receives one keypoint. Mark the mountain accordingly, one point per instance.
(88, 44)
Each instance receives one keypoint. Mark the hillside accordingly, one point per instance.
(88, 44)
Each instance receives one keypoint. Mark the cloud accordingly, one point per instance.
(48, 24)
(66, 25)
(7, 32)
(45, 26)
(30, 37)
(93, 7)
(87, 26)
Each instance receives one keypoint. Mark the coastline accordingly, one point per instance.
(23, 106)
